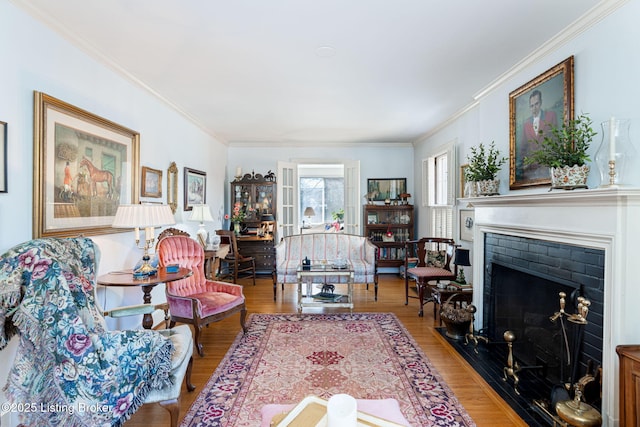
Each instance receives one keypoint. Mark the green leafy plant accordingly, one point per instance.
(564, 145)
(338, 215)
(484, 163)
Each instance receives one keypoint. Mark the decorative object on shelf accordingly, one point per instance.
(308, 212)
(202, 214)
(147, 217)
(534, 108)
(615, 152)
(564, 149)
(238, 172)
(484, 165)
(404, 198)
(388, 235)
(461, 260)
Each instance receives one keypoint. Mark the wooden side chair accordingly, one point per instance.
(235, 265)
(195, 299)
(433, 255)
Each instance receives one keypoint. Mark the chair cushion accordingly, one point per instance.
(434, 272)
(436, 258)
(216, 302)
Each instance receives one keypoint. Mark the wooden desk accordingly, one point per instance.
(125, 278)
(212, 259)
(629, 396)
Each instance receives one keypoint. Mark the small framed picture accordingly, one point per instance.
(195, 188)
(151, 182)
(372, 218)
(466, 224)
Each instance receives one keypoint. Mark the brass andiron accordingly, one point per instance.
(470, 336)
(512, 368)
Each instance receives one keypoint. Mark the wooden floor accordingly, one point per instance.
(481, 402)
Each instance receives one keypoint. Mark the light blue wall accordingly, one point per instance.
(607, 66)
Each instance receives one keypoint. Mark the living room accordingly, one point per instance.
(603, 44)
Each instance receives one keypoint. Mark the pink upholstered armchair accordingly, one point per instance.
(196, 300)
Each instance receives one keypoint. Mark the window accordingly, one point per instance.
(438, 184)
(322, 189)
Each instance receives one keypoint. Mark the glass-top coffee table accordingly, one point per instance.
(325, 298)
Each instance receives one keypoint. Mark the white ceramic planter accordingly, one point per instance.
(489, 187)
(569, 177)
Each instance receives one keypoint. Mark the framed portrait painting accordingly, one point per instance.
(85, 166)
(195, 188)
(151, 182)
(534, 108)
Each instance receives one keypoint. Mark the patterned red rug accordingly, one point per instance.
(284, 357)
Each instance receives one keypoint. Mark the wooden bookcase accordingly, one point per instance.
(256, 195)
(379, 221)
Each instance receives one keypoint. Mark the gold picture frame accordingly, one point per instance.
(84, 166)
(172, 187)
(551, 96)
(463, 180)
(151, 182)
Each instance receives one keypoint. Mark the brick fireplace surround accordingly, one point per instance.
(605, 219)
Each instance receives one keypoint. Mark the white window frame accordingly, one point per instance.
(439, 216)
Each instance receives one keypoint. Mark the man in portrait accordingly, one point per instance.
(534, 129)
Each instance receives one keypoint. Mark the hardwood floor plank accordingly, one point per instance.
(481, 402)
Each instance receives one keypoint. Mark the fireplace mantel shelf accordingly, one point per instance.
(601, 196)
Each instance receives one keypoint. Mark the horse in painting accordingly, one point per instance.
(98, 175)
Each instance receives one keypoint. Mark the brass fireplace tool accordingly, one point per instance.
(574, 411)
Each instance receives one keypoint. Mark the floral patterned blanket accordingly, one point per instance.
(70, 370)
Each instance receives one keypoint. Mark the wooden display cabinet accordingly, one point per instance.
(256, 195)
(389, 227)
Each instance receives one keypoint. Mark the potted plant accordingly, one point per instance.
(564, 150)
(484, 165)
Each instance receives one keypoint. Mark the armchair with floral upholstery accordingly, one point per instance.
(66, 356)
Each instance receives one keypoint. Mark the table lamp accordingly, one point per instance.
(147, 217)
(202, 214)
(462, 260)
(308, 212)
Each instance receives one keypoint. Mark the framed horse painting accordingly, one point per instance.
(85, 166)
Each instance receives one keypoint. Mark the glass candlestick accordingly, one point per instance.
(615, 152)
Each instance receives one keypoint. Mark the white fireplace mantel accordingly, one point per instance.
(607, 219)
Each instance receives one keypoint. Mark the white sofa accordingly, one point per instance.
(291, 250)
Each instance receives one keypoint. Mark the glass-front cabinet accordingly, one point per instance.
(388, 227)
(255, 196)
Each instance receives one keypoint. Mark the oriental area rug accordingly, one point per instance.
(282, 358)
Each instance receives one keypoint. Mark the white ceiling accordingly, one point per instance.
(311, 71)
